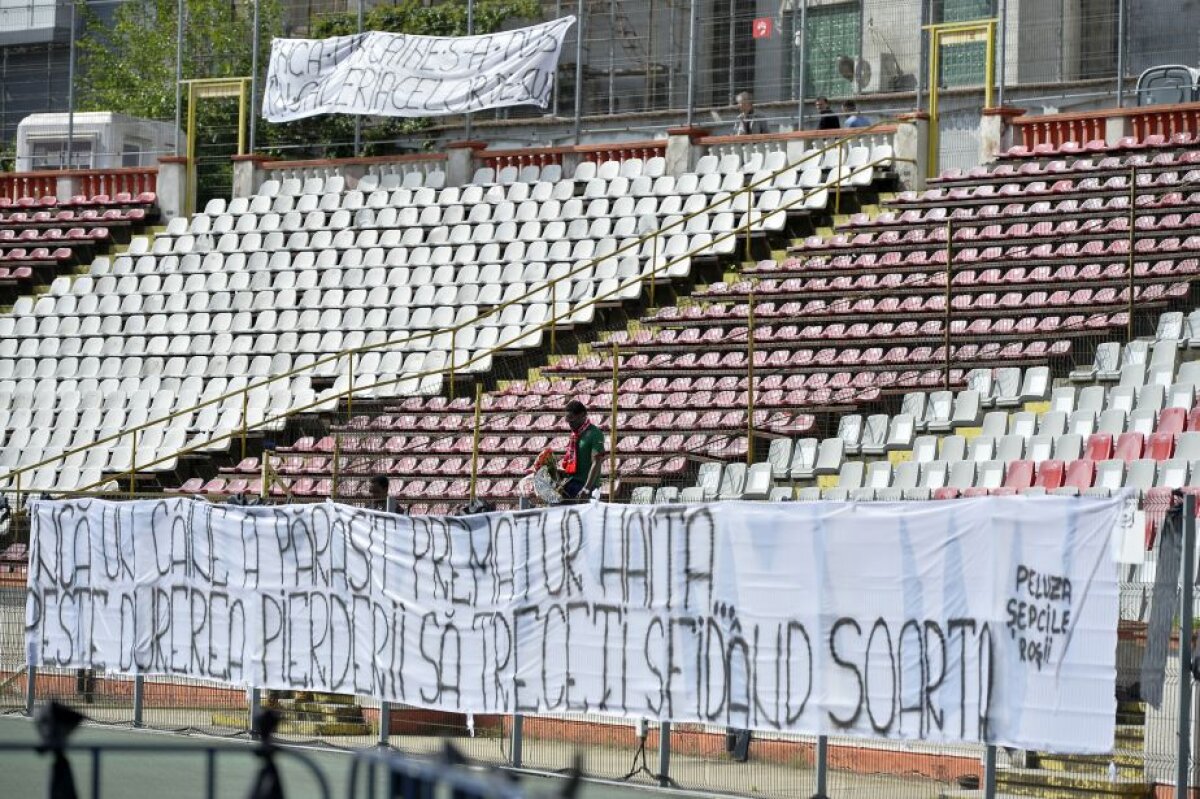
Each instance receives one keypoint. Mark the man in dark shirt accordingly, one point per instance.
(579, 471)
(827, 119)
(377, 498)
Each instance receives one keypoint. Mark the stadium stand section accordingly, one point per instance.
(855, 392)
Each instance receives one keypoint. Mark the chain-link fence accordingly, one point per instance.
(627, 69)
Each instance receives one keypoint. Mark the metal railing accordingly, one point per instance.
(728, 203)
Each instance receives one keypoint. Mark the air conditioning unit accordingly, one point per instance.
(880, 73)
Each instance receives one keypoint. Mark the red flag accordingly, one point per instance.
(763, 27)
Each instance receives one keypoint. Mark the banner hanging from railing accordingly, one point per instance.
(403, 75)
(988, 619)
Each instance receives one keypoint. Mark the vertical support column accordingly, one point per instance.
(1002, 36)
(139, 700)
(949, 278)
(255, 706)
(911, 147)
(664, 754)
(989, 772)
(802, 55)
(385, 714)
(475, 439)
(470, 32)
(750, 379)
(823, 765)
(180, 15)
(30, 689)
(1132, 254)
(1183, 755)
(1121, 9)
(254, 81)
(71, 87)
(580, 29)
(612, 426)
(172, 185)
(518, 736)
(691, 84)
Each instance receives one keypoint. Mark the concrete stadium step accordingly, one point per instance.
(323, 729)
(1045, 784)
(1129, 764)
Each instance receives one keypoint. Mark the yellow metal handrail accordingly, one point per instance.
(728, 201)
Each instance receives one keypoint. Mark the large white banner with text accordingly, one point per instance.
(402, 75)
(990, 619)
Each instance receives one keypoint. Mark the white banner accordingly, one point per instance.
(990, 619)
(402, 75)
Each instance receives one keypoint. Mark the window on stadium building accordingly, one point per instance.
(834, 34)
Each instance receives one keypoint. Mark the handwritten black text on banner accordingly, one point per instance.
(404, 75)
(987, 619)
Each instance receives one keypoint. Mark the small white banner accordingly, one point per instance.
(990, 619)
(401, 75)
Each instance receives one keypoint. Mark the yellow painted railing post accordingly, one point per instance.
(245, 418)
(453, 342)
(1132, 243)
(475, 439)
(337, 456)
(553, 317)
(837, 201)
(949, 296)
(750, 381)
(654, 268)
(612, 425)
(133, 464)
(265, 475)
(350, 396)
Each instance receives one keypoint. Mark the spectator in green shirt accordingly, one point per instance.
(579, 471)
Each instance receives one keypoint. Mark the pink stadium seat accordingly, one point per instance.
(1019, 475)
(1161, 446)
(1099, 447)
(1080, 474)
(1129, 447)
(1049, 475)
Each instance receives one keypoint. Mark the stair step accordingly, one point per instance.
(1130, 765)
(1063, 785)
(324, 728)
(339, 711)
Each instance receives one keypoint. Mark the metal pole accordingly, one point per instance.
(612, 56)
(750, 379)
(358, 117)
(1121, 53)
(922, 66)
(475, 439)
(732, 47)
(989, 772)
(822, 765)
(949, 276)
(470, 32)
(255, 706)
(803, 55)
(139, 698)
(691, 78)
(385, 719)
(664, 754)
(1183, 755)
(554, 110)
(71, 89)
(515, 741)
(1003, 37)
(254, 80)
(612, 425)
(30, 689)
(579, 31)
(1132, 241)
(180, 13)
